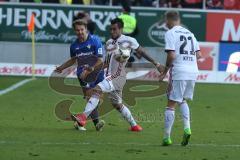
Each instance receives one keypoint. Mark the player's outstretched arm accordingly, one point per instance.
(143, 53)
(97, 65)
(88, 69)
(65, 65)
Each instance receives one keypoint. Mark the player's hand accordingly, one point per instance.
(58, 69)
(162, 76)
(160, 68)
(88, 68)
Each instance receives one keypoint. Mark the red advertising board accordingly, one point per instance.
(223, 27)
(206, 63)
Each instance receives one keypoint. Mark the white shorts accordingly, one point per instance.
(115, 95)
(178, 90)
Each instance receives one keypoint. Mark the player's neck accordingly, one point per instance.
(173, 26)
(177, 23)
(115, 38)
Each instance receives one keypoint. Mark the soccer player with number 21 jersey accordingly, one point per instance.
(182, 53)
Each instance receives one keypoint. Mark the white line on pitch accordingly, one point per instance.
(15, 86)
(120, 144)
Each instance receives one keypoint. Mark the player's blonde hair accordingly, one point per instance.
(172, 15)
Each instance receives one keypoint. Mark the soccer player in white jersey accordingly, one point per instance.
(182, 53)
(116, 75)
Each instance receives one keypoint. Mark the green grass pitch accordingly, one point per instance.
(29, 129)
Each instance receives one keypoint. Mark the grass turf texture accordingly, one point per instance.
(29, 128)
(6, 81)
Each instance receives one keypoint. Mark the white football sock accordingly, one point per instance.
(127, 115)
(91, 105)
(169, 119)
(185, 114)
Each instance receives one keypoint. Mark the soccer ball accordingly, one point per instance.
(122, 54)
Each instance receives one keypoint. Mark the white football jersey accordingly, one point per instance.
(115, 68)
(185, 45)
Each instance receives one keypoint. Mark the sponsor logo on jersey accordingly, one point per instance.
(84, 54)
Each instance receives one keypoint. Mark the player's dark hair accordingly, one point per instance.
(79, 22)
(79, 15)
(127, 8)
(118, 21)
(78, 19)
(91, 26)
(172, 15)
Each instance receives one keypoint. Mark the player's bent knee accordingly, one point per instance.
(171, 103)
(97, 90)
(88, 94)
(117, 106)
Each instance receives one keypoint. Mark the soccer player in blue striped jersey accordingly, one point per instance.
(87, 51)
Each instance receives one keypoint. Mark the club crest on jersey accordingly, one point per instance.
(89, 46)
(100, 51)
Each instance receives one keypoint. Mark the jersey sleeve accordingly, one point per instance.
(169, 42)
(98, 47)
(134, 43)
(72, 53)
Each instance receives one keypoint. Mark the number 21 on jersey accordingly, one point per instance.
(185, 50)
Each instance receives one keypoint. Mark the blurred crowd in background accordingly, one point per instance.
(205, 4)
